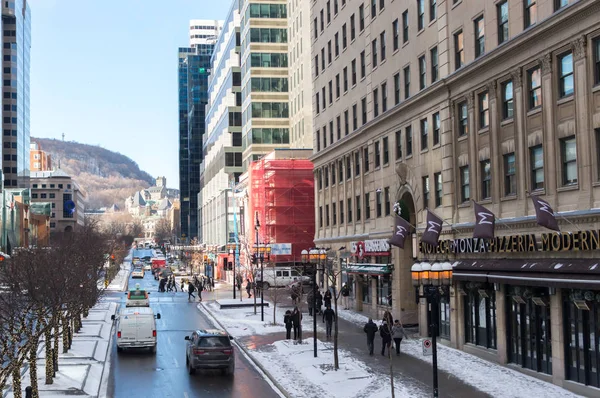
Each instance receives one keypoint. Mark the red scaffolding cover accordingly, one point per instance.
(282, 196)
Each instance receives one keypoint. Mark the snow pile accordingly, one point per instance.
(302, 375)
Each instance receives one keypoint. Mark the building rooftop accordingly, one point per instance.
(58, 173)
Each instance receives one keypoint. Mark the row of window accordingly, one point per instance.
(269, 60)
(268, 110)
(269, 84)
(383, 207)
(43, 186)
(266, 11)
(43, 196)
(268, 35)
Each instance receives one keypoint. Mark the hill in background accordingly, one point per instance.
(108, 177)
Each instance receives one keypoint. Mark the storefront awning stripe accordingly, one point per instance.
(558, 280)
(466, 276)
(364, 268)
(530, 266)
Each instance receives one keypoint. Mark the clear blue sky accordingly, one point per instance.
(104, 72)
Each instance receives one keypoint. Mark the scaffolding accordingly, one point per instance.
(282, 197)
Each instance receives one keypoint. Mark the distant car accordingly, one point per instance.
(209, 349)
(138, 273)
(137, 297)
(148, 267)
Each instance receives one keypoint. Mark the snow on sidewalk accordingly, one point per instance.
(497, 380)
(119, 281)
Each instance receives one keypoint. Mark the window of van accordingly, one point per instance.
(295, 273)
(278, 273)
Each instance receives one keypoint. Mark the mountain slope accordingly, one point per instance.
(107, 177)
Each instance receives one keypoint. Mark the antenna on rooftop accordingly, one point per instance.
(63, 136)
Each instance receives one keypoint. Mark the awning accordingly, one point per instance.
(368, 268)
(546, 272)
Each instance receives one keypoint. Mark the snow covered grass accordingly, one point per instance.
(302, 375)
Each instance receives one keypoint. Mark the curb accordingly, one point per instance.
(105, 374)
(282, 391)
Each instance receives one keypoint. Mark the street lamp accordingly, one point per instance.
(436, 280)
(315, 256)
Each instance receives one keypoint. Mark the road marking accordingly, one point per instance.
(185, 394)
(176, 363)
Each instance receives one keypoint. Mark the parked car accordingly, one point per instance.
(280, 277)
(209, 349)
(136, 328)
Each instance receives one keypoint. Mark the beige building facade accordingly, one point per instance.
(441, 103)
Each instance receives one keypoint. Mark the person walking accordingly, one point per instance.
(294, 295)
(370, 329)
(174, 284)
(386, 337)
(345, 295)
(191, 289)
(310, 300)
(296, 319)
(249, 288)
(397, 334)
(318, 301)
(328, 318)
(287, 320)
(327, 298)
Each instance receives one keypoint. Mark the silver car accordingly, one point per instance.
(209, 349)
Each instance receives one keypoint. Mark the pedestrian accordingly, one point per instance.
(386, 337)
(191, 289)
(318, 301)
(327, 298)
(182, 282)
(294, 295)
(370, 329)
(174, 284)
(296, 319)
(388, 318)
(345, 295)
(209, 283)
(249, 288)
(328, 318)
(287, 320)
(397, 334)
(169, 284)
(310, 300)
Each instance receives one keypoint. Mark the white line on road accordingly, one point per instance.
(185, 395)
(176, 363)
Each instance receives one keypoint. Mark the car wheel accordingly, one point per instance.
(229, 371)
(190, 369)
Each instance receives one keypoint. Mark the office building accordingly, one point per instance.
(453, 101)
(193, 71)
(16, 39)
(222, 147)
(39, 160)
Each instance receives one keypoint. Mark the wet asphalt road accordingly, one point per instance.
(141, 374)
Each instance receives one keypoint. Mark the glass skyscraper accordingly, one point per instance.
(16, 39)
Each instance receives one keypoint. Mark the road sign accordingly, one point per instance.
(427, 350)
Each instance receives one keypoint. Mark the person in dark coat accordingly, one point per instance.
(249, 288)
(327, 298)
(386, 337)
(328, 318)
(388, 318)
(191, 289)
(310, 300)
(287, 320)
(345, 295)
(319, 301)
(370, 329)
(296, 319)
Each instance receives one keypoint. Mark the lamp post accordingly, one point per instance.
(315, 256)
(435, 280)
(262, 309)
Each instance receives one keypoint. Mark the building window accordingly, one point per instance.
(382, 45)
(386, 151)
(364, 110)
(387, 203)
(434, 64)
(375, 103)
(334, 214)
(399, 145)
(317, 109)
(373, 8)
(406, 82)
(459, 50)
(432, 10)
(348, 168)
(436, 128)
(322, 21)
(354, 118)
(437, 177)
(408, 134)
(354, 72)
(465, 188)
(333, 174)
(558, 4)
(377, 154)
(362, 65)
(530, 12)
(486, 179)
(510, 178)
(366, 159)
(341, 171)
(349, 207)
(507, 100)
(326, 176)
(328, 12)
(346, 127)
(337, 86)
(383, 97)
(326, 215)
(463, 119)
(420, 14)
(484, 110)
(396, 88)
(316, 31)
(569, 161)
(480, 317)
(357, 200)
(357, 164)
(336, 44)
(597, 135)
(329, 57)
(352, 28)
(374, 52)
(379, 204)
(534, 80)
(422, 73)
(425, 192)
(565, 73)
(345, 76)
(339, 127)
(502, 22)
(52, 196)
(361, 17)
(341, 211)
(335, 7)
(596, 44)
(537, 167)
(344, 37)
(395, 34)
(424, 134)
(479, 36)
(405, 26)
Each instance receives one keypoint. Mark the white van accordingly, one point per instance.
(136, 328)
(280, 277)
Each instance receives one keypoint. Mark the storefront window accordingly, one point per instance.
(581, 313)
(444, 320)
(528, 327)
(384, 290)
(480, 316)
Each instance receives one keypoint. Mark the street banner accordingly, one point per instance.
(485, 221)
(433, 228)
(544, 214)
(401, 230)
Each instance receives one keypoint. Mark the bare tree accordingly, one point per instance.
(274, 293)
(135, 228)
(163, 230)
(332, 274)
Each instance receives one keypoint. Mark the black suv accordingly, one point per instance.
(209, 349)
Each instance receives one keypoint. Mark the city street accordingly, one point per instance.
(164, 374)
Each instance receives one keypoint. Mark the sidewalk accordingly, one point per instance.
(81, 370)
(293, 367)
(119, 283)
